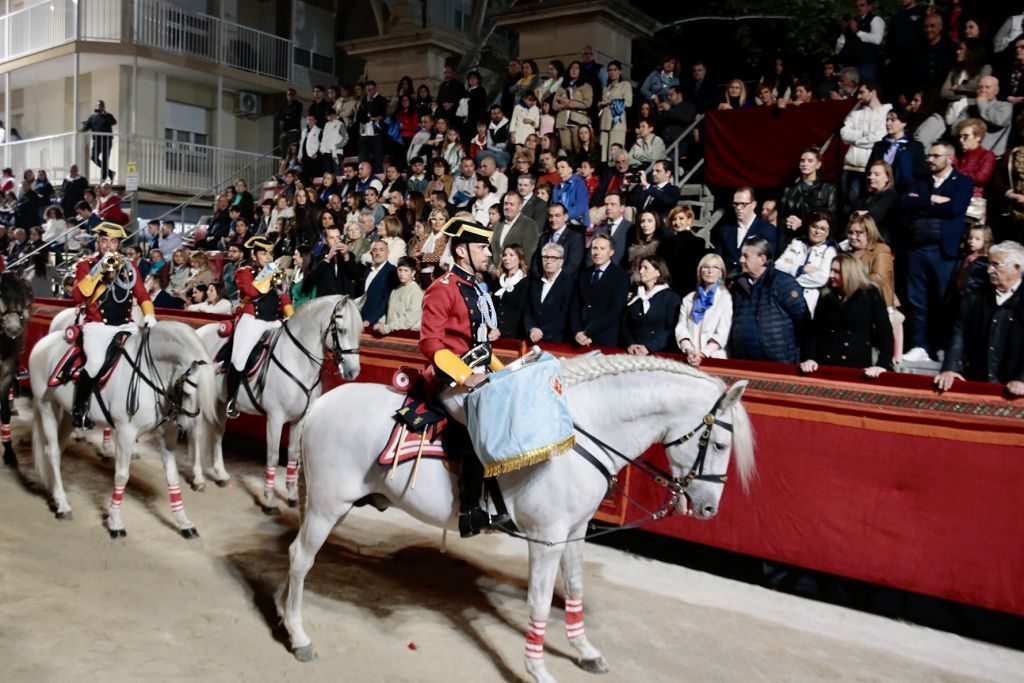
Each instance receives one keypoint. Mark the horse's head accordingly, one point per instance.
(341, 337)
(699, 458)
(15, 304)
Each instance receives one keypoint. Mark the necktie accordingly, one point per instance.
(595, 277)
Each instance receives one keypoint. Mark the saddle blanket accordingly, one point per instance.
(429, 437)
(71, 363)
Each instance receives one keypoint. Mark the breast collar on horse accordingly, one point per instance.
(336, 352)
(659, 475)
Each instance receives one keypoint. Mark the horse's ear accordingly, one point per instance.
(360, 301)
(733, 395)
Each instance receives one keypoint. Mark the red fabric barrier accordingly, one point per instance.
(884, 481)
(761, 146)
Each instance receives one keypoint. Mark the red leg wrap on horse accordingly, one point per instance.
(115, 500)
(268, 481)
(5, 433)
(106, 437)
(292, 474)
(174, 490)
(573, 618)
(535, 639)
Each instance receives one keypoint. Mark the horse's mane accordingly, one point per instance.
(317, 308)
(585, 368)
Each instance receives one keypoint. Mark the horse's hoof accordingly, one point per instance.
(270, 510)
(63, 516)
(10, 459)
(293, 502)
(117, 533)
(594, 666)
(305, 654)
(222, 482)
(189, 533)
(199, 488)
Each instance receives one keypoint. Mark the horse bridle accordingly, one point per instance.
(20, 312)
(335, 350)
(676, 485)
(175, 395)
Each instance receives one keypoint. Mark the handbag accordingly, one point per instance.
(463, 110)
(976, 210)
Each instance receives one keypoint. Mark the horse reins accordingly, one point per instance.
(175, 396)
(675, 486)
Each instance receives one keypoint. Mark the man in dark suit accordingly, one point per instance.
(936, 211)
(381, 278)
(599, 299)
(616, 227)
(747, 225)
(988, 338)
(337, 271)
(662, 195)
(517, 228)
(533, 206)
(546, 314)
(160, 297)
(560, 233)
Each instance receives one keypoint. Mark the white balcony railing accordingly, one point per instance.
(149, 23)
(162, 165)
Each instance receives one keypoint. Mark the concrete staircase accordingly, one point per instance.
(700, 199)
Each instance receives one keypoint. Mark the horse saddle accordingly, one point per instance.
(71, 363)
(256, 356)
(418, 429)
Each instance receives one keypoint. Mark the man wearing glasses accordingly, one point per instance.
(988, 339)
(748, 224)
(936, 211)
(547, 305)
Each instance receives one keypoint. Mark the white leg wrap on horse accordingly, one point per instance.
(174, 492)
(115, 499)
(535, 639)
(573, 618)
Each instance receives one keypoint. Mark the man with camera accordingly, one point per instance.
(337, 271)
(661, 195)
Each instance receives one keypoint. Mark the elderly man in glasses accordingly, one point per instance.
(747, 225)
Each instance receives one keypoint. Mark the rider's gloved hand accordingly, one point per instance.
(148, 320)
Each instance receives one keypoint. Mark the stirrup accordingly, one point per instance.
(82, 421)
(232, 409)
(476, 520)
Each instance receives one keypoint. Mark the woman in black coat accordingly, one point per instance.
(850, 321)
(880, 199)
(650, 317)
(510, 292)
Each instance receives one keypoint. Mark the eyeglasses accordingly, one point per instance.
(551, 258)
(740, 205)
(931, 155)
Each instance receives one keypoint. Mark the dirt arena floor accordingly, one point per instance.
(383, 604)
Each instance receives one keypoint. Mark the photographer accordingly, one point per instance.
(659, 193)
(337, 271)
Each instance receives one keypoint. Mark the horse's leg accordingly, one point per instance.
(216, 436)
(46, 449)
(543, 570)
(274, 427)
(5, 429)
(122, 462)
(292, 473)
(316, 526)
(106, 446)
(195, 454)
(185, 527)
(590, 658)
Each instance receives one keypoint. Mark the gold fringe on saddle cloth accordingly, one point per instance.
(537, 455)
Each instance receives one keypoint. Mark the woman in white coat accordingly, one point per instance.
(705, 316)
(809, 258)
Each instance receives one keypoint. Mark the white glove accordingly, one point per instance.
(148, 320)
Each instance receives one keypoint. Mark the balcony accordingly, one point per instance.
(162, 165)
(146, 23)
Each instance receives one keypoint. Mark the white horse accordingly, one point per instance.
(167, 378)
(289, 379)
(620, 404)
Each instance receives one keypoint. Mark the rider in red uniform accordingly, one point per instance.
(262, 305)
(459, 320)
(106, 286)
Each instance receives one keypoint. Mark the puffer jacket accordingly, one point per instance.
(769, 318)
(863, 127)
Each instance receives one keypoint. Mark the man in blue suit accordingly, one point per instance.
(748, 224)
(599, 299)
(560, 233)
(547, 305)
(381, 278)
(937, 214)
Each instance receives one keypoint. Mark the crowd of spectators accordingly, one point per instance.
(572, 167)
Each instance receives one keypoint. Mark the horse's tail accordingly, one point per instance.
(743, 445)
(38, 373)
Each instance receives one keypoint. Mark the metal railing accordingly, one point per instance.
(151, 23)
(672, 153)
(162, 165)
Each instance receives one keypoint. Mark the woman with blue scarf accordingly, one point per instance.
(616, 101)
(705, 317)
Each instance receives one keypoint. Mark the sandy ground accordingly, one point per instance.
(382, 604)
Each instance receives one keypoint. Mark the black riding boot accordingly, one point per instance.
(472, 518)
(83, 396)
(234, 380)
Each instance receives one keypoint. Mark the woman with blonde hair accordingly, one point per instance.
(705, 316)
(735, 96)
(865, 242)
(201, 270)
(880, 198)
(391, 233)
(177, 282)
(849, 322)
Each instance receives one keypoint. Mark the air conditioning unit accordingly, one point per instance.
(248, 104)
